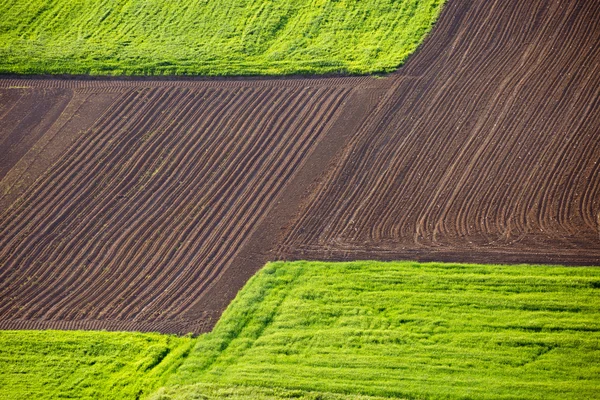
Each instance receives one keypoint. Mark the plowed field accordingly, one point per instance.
(146, 205)
(487, 147)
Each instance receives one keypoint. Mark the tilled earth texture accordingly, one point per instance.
(146, 205)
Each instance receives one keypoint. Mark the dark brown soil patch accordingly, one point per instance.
(488, 149)
(151, 201)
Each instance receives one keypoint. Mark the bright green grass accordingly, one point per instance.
(211, 37)
(440, 331)
(85, 365)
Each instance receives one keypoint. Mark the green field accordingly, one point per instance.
(210, 37)
(332, 331)
(321, 330)
(85, 365)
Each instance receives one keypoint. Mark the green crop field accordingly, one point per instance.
(85, 365)
(417, 331)
(211, 37)
(333, 331)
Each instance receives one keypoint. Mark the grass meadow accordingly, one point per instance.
(210, 37)
(358, 330)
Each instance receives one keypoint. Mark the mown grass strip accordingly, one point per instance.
(406, 330)
(86, 365)
(211, 37)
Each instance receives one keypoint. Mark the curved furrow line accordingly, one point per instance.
(393, 165)
(511, 147)
(416, 168)
(535, 181)
(567, 129)
(567, 198)
(137, 218)
(69, 251)
(589, 201)
(590, 153)
(417, 173)
(367, 150)
(305, 222)
(513, 202)
(509, 158)
(443, 222)
(439, 228)
(431, 111)
(552, 189)
(254, 208)
(527, 207)
(167, 244)
(84, 213)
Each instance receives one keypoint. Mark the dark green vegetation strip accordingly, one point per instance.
(210, 37)
(81, 365)
(408, 330)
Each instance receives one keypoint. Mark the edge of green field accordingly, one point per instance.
(211, 37)
(319, 330)
(356, 330)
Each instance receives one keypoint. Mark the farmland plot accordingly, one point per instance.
(210, 37)
(147, 206)
(402, 330)
(486, 149)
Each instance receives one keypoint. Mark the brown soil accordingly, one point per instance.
(146, 205)
(147, 201)
(487, 149)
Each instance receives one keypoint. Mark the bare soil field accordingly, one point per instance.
(144, 203)
(486, 149)
(147, 204)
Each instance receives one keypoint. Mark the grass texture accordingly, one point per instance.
(364, 330)
(210, 37)
(86, 365)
